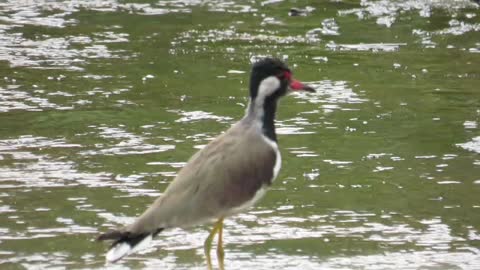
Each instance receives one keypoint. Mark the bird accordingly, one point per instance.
(226, 177)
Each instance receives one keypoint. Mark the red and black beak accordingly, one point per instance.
(299, 86)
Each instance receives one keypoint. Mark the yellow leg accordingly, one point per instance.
(208, 242)
(220, 251)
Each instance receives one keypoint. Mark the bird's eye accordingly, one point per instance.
(285, 75)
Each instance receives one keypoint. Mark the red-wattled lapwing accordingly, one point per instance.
(226, 177)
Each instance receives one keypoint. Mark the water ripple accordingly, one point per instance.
(194, 116)
(30, 141)
(473, 145)
(329, 28)
(12, 98)
(373, 47)
(124, 143)
(432, 239)
(232, 34)
(60, 52)
(386, 12)
(332, 94)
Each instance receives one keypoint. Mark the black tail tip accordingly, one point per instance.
(111, 235)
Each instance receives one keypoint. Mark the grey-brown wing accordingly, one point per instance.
(225, 174)
(239, 173)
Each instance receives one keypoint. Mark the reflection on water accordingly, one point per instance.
(57, 52)
(199, 115)
(381, 167)
(332, 95)
(121, 142)
(12, 98)
(473, 145)
(29, 168)
(387, 12)
(375, 47)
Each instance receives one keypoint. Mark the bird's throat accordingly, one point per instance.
(268, 119)
(263, 112)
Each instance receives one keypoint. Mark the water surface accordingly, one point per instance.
(101, 103)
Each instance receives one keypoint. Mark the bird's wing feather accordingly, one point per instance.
(224, 175)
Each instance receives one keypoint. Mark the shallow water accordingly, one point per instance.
(101, 102)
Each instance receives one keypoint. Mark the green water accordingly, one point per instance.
(101, 102)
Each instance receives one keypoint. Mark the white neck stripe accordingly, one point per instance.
(266, 88)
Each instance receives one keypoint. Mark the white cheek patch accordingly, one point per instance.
(268, 86)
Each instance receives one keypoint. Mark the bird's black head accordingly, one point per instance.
(271, 78)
